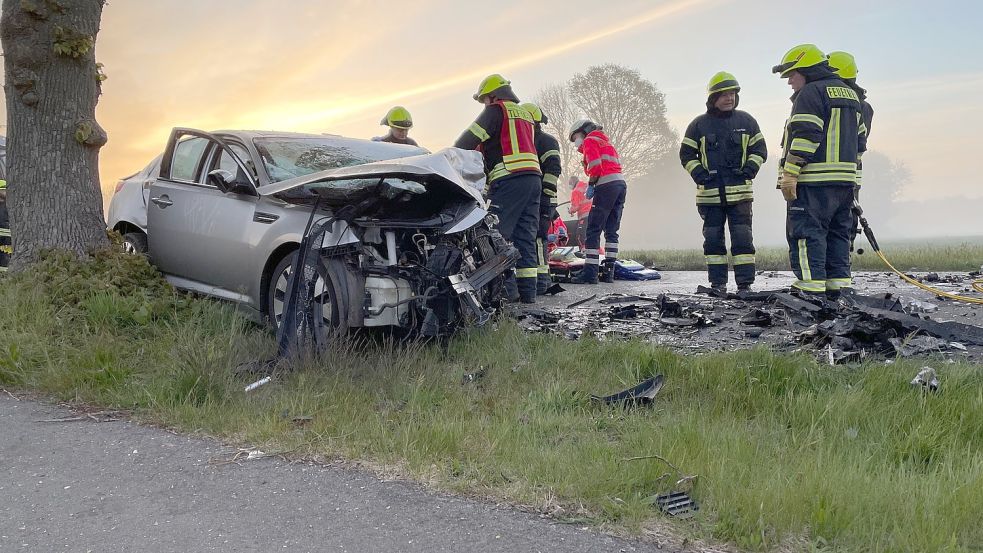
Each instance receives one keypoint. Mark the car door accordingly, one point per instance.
(197, 234)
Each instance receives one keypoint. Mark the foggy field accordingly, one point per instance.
(789, 454)
(963, 254)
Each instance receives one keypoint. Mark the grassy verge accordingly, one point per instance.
(834, 459)
(914, 256)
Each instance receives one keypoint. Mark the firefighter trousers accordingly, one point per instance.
(738, 218)
(819, 226)
(546, 211)
(5, 243)
(515, 200)
(605, 216)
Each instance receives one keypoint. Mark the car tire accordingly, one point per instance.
(332, 320)
(135, 243)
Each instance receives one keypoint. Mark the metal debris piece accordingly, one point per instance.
(677, 504)
(258, 383)
(581, 302)
(918, 306)
(926, 379)
(642, 394)
(918, 345)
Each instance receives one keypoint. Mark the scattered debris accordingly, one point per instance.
(581, 302)
(475, 376)
(258, 383)
(642, 394)
(98, 416)
(926, 379)
(918, 345)
(757, 317)
(918, 306)
(555, 289)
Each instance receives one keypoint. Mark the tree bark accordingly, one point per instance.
(52, 86)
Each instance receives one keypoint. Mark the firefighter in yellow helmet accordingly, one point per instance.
(400, 122)
(845, 67)
(824, 138)
(504, 133)
(723, 150)
(550, 163)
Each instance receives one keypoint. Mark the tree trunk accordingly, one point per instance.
(53, 141)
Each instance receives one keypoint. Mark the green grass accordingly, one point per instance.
(790, 454)
(906, 256)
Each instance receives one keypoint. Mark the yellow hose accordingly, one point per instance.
(977, 284)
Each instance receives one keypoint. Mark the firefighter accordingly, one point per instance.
(845, 68)
(579, 208)
(5, 244)
(607, 189)
(723, 150)
(824, 138)
(505, 133)
(400, 122)
(548, 149)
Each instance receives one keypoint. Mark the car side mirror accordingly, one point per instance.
(227, 183)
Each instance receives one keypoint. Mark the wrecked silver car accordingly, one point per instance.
(403, 236)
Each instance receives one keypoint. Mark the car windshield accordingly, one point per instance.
(289, 157)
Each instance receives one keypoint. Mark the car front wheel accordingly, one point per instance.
(326, 301)
(135, 243)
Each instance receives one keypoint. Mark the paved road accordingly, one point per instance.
(118, 486)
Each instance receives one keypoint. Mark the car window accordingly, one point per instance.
(226, 162)
(286, 158)
(186, 159)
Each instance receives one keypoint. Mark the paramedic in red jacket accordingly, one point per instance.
(606, 187)
(579, 208)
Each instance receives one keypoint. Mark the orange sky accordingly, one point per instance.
(336, 66)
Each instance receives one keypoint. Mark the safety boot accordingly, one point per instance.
(587, 275)
(719, 288)
(607, 272)
(743, 288)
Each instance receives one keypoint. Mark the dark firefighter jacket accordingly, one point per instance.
(388, 137)
(825, 134)
(504, 134)
(549, 161)
(723, 152)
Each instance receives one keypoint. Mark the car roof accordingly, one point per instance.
(326, 137)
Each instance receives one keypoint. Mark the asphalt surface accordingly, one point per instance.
(118, 486)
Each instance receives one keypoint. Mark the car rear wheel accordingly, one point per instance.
(135, 243)
(324, 295)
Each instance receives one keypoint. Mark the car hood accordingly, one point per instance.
(462, 168)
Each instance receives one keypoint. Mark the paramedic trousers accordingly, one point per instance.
(738, 218)
(819, 228)
(605, 216)
(515, 200)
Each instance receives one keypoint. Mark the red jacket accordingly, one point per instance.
(579, 204)
(601, 161)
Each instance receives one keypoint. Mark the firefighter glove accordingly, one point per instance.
(788, 184)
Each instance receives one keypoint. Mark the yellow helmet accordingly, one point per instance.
(843, 65)
(801, 56)
(490, 84)
(536, 112)
(721, 82)
(398, 117)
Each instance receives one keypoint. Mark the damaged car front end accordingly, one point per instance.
(401, 243)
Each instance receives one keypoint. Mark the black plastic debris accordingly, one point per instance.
(757, 317)
(677, 504)
(624, 312)
(679, 321)
(555, 289)
(643, 394)
(581, 302)
(926, 379)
